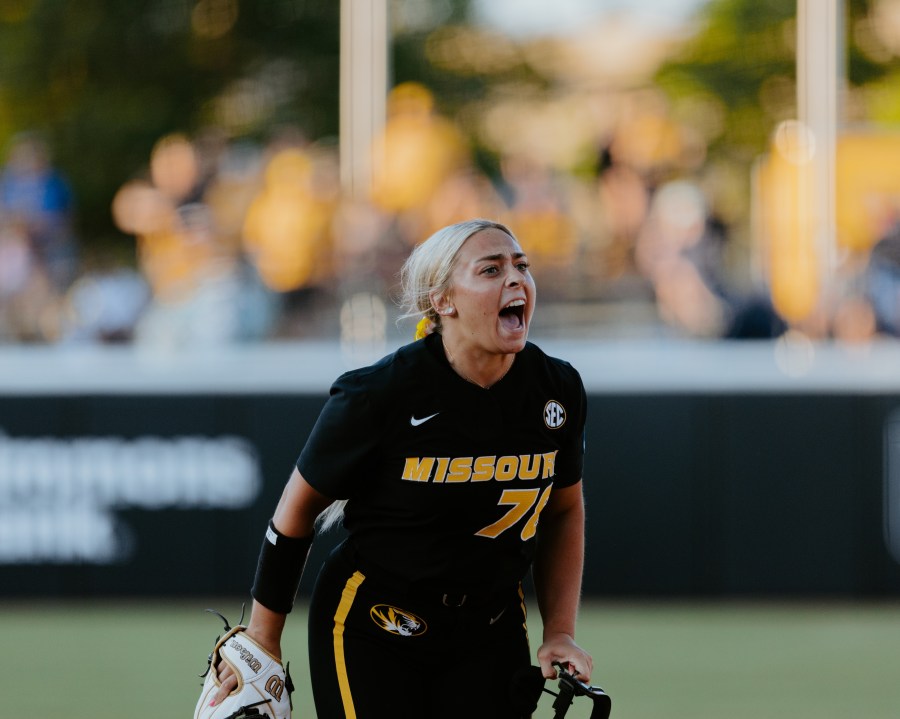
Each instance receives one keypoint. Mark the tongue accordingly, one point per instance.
(510, 320)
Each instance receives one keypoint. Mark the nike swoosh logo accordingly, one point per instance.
(416, 422)
(498, 616)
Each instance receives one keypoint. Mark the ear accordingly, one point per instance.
(442, 304)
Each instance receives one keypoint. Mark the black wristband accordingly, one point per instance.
(281, 562)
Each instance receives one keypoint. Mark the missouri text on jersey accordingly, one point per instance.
(480, 469)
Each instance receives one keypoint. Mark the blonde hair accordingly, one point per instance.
(430, 264)
(426, 270)
(331, 515)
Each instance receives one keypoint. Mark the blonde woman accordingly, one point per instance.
(440, 460)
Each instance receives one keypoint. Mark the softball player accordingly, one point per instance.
(458, 463)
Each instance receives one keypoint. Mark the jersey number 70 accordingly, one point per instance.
(520, 502)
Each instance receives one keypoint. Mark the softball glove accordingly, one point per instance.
(264, 686)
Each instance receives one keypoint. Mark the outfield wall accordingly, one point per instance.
(712, 469)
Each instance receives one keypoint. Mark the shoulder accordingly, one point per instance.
(403, 367)
(557, 382)
(554, 368)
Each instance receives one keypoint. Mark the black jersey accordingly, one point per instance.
(446, 480)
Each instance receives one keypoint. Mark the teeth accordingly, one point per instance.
(515, 303)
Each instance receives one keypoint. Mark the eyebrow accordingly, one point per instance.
(500, 256)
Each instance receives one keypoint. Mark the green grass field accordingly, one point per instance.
(658, 661)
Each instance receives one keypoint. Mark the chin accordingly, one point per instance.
(510, 345)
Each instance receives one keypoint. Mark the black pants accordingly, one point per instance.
(377, 651)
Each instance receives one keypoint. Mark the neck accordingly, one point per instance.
(483, 371)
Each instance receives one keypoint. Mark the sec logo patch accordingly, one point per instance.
(397, 621)
(554, 414)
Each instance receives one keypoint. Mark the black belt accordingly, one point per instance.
(431, 591)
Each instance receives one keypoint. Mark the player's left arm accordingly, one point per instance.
(558, 568)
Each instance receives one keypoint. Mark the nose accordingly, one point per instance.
(512, 278)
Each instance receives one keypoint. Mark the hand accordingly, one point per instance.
(228, 682)
(563, 649)
(225, 674)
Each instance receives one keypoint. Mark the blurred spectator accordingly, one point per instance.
(211, 298)
(418, 151)
(36, 198)
(538, 212)
(287, 227)
(368, 248)
(679, 257)
(105, 305)
(288, 233)
(681, 251)
(624, 202)
(38, 253)
(882, 282)
(29, 302)
(853, 320)
(465, 194)
(17, 260)
(203, 292)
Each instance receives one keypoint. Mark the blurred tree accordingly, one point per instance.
(741, 64)
(410, 57)
(435, 45)
(105, 80)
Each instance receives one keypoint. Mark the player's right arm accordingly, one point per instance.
(295, 516)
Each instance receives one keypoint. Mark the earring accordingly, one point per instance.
(448, 311)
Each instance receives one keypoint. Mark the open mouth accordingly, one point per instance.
(513, 315)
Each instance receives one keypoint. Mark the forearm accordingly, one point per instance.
(558, 568)
(266, 627)
(282, 560)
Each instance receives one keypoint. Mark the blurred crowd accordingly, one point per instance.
(38, 249)
(241, 241)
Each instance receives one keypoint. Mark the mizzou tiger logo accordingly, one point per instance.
(397, 621)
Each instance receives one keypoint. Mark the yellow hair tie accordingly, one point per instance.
(422, 329)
